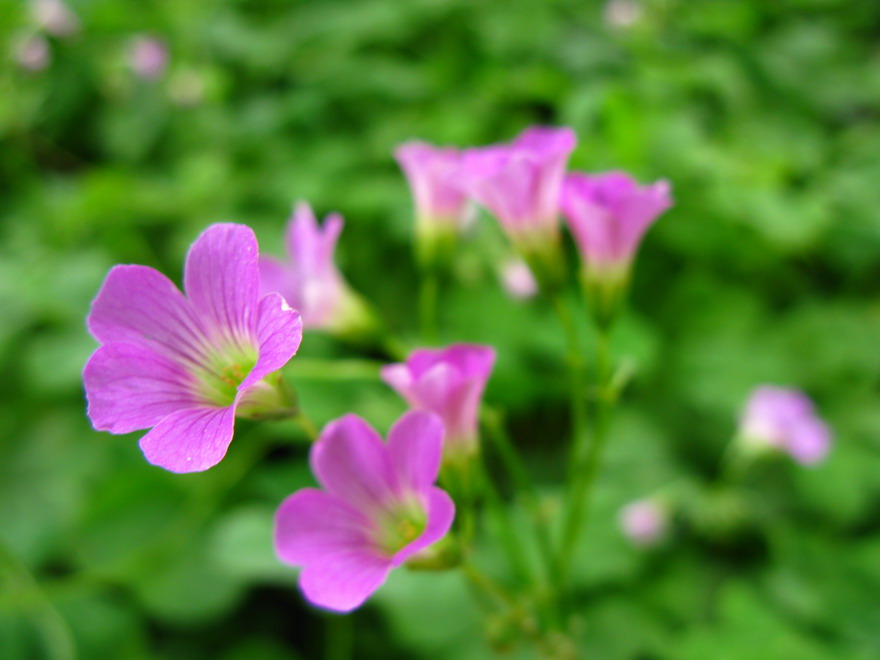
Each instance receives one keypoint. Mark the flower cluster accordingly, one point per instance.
(183, 365)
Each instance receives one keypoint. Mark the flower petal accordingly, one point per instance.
(221, 278)
(351, 461)
(190, 440)
(441, 513)
(415, 445)
(139, 305)
(275, 276)
(312, 524)
(279, 332)
(344, 580)
(131, 387)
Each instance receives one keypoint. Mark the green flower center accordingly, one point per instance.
(401, 526)
(217, 381)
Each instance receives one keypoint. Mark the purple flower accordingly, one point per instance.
(447, 381)
(433, 175)
(378, 508)
(643, 522)
(184, 365)
(785, 419)
(520, 182)
(608, 215)
(148, 57)
(310, 281)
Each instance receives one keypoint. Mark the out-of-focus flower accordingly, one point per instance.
(784, 419)
(185, 365)
(643, 522)
(518, 280)
(622, 14)
(32, 52)
(378, 508)
(450, 382)
(441, 206)
(55, 17)
(148, 57)
(520, 184)
(608, 215)
(311, 282)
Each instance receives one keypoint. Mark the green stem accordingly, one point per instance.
(307, 425)
(587, 467)
(428, 293)
(514, 466)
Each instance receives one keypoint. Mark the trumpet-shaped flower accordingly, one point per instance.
(185, 364)
(450, 382)
(310, 281)
(378, 508)
(608, 215)
(520, 182)
(784, 419)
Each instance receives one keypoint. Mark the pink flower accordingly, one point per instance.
(55, 17)
(433, 175)
(182, 364)
(785, 419)
(518, 280)
(148, 57)
(608, 215)
(378, 508)
(520, 182)
(643, 522)
(32, 52)
(450, 382)
(310, 281)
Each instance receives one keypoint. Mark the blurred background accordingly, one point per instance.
(126, 128)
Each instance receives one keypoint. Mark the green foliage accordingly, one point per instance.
(763, 115)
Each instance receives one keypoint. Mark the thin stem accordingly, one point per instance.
(428, 293)
(488, 586)
(514, 466)
(588, 466)
(307, 425)
(509, 538)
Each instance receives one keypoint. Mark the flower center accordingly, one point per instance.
(220, 376)
(401, 526)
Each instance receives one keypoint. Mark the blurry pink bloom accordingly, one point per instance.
(184, 365)
(450, 382)
(608, 215)
(55, 17)
(785, 419)
(148, 57)
(378, 508)
(310, 281)
(622, 13)
(433, 175)
(643, 522)
(520, 182)
(518, 280)
(32, 53)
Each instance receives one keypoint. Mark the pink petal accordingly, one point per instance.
(221, 278)
(415, 445)
(279, 332)
(441, 513)
(190, 440)
(139, 305)
(344, 580)
(351, 461)
(131, 387)
(311, 524)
